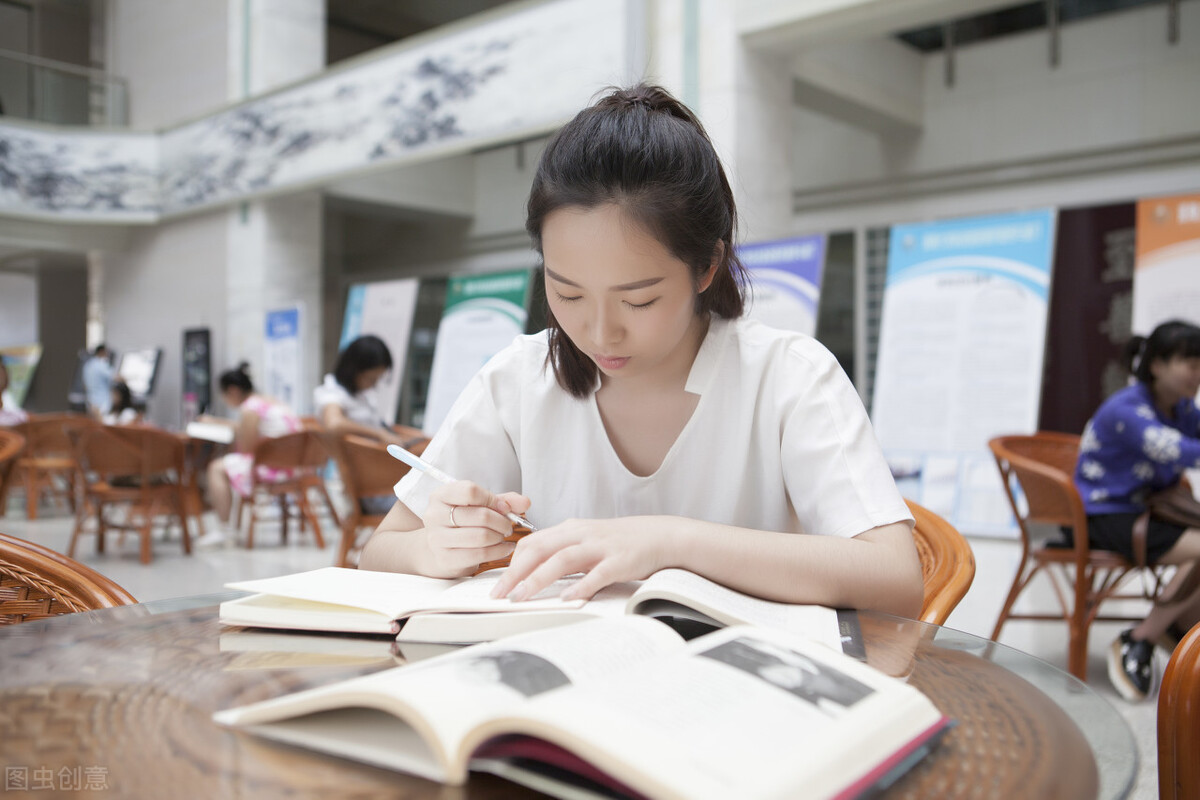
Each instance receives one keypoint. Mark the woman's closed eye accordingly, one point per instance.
(647, 304)
(566, 299)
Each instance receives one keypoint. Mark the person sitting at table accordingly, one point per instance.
(259, 417)
(347, 400)
(652, 425)
(10, 412)
(1139, 441)
(122, 411)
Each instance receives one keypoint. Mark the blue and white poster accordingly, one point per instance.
(281, 357)
(785, 280)
(962, 338)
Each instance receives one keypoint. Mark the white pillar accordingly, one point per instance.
(274, 246)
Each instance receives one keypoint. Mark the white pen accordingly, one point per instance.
(416, 462)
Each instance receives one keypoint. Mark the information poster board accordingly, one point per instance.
(1166, 278)
(785, 280)
(21, 362)
(483, 314)
(962, 337)
(197, 373)
(384, 309)
(138, 369)
(281, 357)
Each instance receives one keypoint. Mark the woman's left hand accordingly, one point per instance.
(607, 550)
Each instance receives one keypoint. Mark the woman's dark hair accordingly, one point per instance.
(364, 353)
(1170, 339)
(238, 378)
(643, 151)
(124, 397)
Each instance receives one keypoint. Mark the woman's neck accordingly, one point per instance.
(1165, 402)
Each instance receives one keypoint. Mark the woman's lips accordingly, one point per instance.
(606, 362)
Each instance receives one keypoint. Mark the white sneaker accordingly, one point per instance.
(215, 537)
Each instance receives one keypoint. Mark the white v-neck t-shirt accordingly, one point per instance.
(779, 441)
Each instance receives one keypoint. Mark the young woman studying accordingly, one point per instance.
(1139, 441)
(650, 425)
(258, 417)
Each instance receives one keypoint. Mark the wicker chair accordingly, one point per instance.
(1040, 466)
(138, 467)
(1179, 722)
(947, 563)
(48, 465)
(302, 454)
(11, 445)
(367, 471)
(36, 583)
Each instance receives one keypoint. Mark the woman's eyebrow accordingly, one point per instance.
(624, 287)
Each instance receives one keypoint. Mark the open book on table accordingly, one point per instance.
(623, 705)
(462, 611)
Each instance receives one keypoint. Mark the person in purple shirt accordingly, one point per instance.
(1140, 441)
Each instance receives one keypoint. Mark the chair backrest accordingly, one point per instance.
(1043, 463)
(365, 466)
(49, 435)
(110, 450)
(36, 582)
(1179, 722)
(11, 445)
(947, 563)
(300, 450)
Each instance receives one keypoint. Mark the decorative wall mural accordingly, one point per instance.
(510, 77)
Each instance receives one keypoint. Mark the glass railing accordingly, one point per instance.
(51, 91)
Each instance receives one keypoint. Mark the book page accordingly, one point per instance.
(389, 593)
(731, 607)
(744, 712)
(444, 697)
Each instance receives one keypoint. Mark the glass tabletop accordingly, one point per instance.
(172, 648)
(1106, 731)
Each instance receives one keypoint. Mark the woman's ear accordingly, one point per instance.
(707, 278)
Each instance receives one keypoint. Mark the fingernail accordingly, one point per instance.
(519, 591)
(502, 506)
(496, 593)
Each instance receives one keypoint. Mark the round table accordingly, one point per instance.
(119, 703)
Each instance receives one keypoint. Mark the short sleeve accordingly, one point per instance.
(836, 476)
(473, 443)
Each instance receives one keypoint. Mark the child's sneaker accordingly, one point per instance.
(1130, 666)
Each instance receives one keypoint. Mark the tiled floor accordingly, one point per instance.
(172, 574)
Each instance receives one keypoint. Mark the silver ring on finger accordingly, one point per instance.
(453, 524)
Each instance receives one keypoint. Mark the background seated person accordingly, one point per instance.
(122, 411)
(10, 412)
(347, 400)
(258, 417)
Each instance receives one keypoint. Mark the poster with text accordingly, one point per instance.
(21, 362)
(1166, 278)
(282, 347)
(785, 280)
(384, 309)
(483, 314)
(961, 345)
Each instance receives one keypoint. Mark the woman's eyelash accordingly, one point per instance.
(566, 299)
(642, 305)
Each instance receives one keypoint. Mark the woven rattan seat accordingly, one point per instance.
(36, 583)
(137, 467)
(302, 455)
(48, 464)
(367, 471)
(1037, 473)
(947, 563)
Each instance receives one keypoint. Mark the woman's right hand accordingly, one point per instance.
(465, 526)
